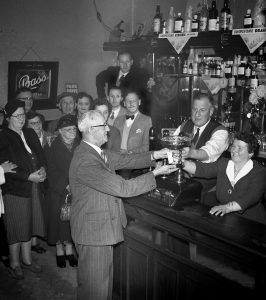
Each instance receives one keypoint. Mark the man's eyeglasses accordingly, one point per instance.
(25, 99)
(102, 125)
(19, 116)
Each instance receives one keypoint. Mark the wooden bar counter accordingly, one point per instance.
(183, 252)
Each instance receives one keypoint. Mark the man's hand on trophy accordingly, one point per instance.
(185, 152)
(160, 154)
(165, 169)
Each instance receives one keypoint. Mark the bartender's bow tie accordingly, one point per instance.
(130, 117)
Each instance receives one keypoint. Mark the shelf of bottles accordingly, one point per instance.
(239, 73)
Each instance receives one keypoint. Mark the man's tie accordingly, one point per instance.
(103, 156)
(196, 137)
(120, 80)
(112, 116)
(130, 117)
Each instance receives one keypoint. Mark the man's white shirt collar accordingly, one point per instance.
(96, 148)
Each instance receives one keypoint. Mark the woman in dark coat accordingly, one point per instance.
(23, 213)
(59, 156)
(241, 181)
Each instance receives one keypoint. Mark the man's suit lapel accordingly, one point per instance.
(96, 155)
(135, 125)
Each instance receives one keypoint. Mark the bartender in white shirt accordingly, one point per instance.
(209, 138)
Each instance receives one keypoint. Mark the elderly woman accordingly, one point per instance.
(66, 104)
(84, 102)
(59, 156)
(35, 121)
(241, 181)
(23, 214)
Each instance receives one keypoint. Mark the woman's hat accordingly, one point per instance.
(67, 120)
(12, 106)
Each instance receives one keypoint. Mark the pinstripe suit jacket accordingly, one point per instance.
(97, 212)
(138, 137)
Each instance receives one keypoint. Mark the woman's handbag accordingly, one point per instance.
(65, 208)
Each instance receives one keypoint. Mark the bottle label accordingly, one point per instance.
(227, 70)
(247, 21)
(247, 72)
(241, 71)
(232, 81)
(178, 25)
(212, 24)
(253, 83)
(203, 23)
(224, 17)
(195, 25)
(156, 25)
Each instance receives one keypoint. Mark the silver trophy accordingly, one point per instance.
(176, 142)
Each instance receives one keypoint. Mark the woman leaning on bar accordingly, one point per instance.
(241, 182)
(23, 213)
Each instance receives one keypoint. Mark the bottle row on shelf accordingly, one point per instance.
(235, 69)
(203, 19)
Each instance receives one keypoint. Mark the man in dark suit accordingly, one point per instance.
(127, 76)
(97, 213)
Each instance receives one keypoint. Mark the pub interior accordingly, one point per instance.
(189, 76)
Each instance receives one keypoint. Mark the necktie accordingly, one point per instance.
(112, 116)
(120, 80)
(103, 156)
(130, 117)
(196, 137)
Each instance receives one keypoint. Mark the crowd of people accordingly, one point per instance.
(89, 153)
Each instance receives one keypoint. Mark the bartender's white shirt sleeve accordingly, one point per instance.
(2, 175)
(216, 145)
(177, 131)
(2, 180)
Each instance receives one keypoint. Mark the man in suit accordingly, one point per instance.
(134, 126)
(114, 137)
(115, 97)
(97, 213)
(127, 76)
(134, 130)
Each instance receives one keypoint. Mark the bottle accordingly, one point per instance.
(191, 55)
(157, 20)
(260, 59)
(190, 69)
(228, 68)
(185, 67)
(195, 24)
(204, 16)
(195, 65)
(179, 23)
(188, 20)
(152, 138)
(218, 70)
(201, 64)
(248, 23)
(224, 18)
(170, 21)
(217, 24)
(213, 14)
(241, 70)
(247, 71)
(254, 81)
